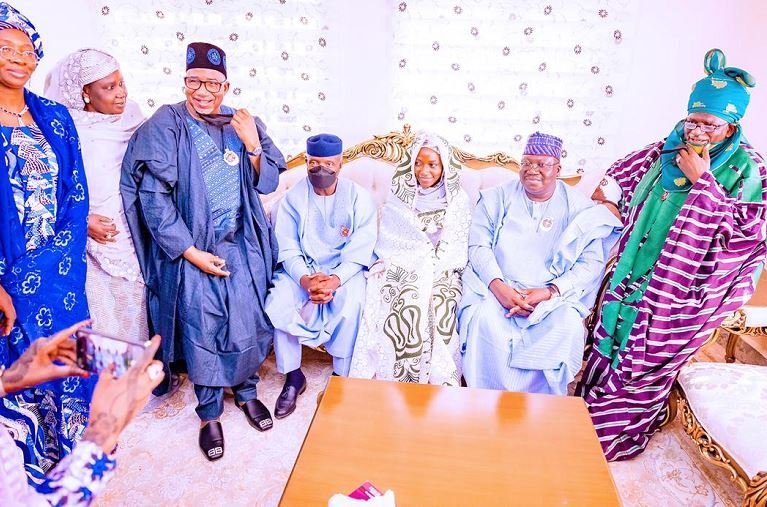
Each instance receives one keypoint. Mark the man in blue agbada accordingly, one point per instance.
(326, 231)
(537, 252)
(192, 176)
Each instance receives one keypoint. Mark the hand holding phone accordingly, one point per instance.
(116, 401)
(97, 352)
(46, 359)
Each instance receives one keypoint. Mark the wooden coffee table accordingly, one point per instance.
(448, 446)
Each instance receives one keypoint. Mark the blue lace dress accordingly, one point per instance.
(45, 421)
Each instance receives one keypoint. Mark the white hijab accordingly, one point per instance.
(103, 141)
(435, 197)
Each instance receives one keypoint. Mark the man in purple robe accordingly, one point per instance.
(694, 239)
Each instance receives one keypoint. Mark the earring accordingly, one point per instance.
(87, 99)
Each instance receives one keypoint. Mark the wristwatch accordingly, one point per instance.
(554, 290)
(256, 152)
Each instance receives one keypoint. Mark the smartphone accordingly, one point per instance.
(97, 351)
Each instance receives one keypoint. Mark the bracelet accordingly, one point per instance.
(553, 290)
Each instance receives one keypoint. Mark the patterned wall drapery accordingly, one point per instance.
(276, 55)
(487, 73)
(483, 73)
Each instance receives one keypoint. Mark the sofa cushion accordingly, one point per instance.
(756, 316)
(730, 402)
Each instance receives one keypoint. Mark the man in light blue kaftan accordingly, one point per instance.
(326, 231)
(537, 252)
(192, 176)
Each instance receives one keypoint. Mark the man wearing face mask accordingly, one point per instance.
(326, 231)
(191, 180)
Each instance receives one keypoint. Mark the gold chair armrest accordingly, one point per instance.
(736, 326)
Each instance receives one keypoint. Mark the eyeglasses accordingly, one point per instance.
(526, 164)
(9, 53)
(194, 84)
(691, 125)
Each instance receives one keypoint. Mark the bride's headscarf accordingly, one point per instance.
(404, 184)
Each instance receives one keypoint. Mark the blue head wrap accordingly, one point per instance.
(723, 93)
(324, 145)
(11, 18)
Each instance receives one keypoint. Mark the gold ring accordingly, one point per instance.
(109, 236)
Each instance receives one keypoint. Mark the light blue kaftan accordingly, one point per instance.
(315, 234)
(564, 241)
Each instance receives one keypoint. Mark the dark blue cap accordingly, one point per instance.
(324, 145)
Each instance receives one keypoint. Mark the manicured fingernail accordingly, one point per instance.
(154, 371)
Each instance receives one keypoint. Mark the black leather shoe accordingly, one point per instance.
(257, 414)
(212, 440)
(286, 403)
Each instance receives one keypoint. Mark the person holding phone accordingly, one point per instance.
(191, 181)
(79, 477)
(43, 219)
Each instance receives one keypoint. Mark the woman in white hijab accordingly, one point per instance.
(90, 84)
(409, 329)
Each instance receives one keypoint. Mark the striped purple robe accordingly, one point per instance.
(704, 273)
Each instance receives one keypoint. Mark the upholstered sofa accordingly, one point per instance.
(371, 164)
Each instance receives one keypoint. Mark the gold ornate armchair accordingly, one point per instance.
(723, 406)
(749, 321)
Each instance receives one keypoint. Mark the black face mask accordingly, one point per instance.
(217, 120)
(321, 177)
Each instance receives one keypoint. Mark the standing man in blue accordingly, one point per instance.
(326, 231)
(191, 181)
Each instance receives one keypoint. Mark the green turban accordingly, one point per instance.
(724, 92)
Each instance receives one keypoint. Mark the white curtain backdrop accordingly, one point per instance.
(276, 55)
(486, 73)
(608, 76)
